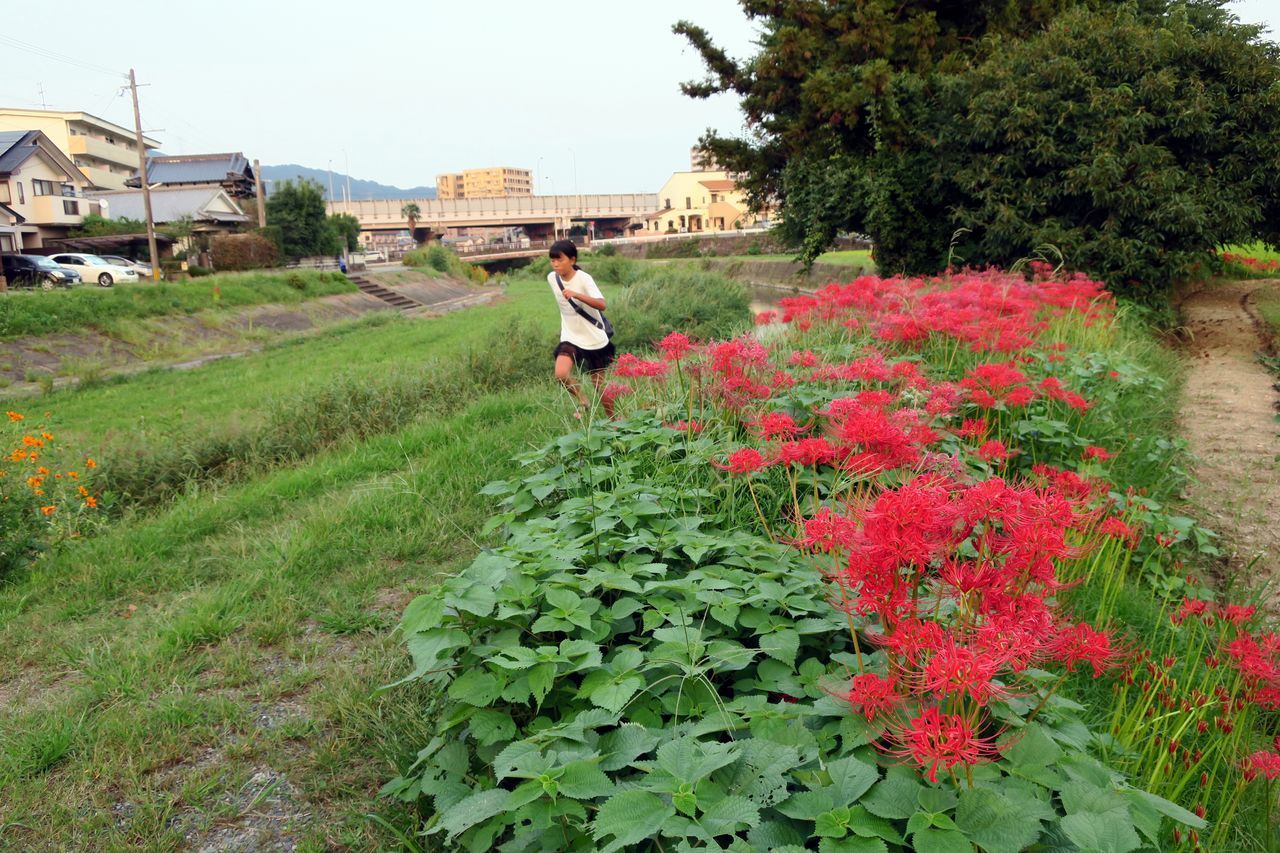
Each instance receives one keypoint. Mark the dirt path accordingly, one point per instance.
(1229, 420)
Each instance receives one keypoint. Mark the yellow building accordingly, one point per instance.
(41, 191)
(495, 182)
(105, 152)
(699, 201)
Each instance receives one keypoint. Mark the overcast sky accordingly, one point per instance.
(585, 94)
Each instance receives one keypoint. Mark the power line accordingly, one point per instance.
(56, 57)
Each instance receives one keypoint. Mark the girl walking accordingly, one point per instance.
(584, 333)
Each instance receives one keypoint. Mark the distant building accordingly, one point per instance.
(209, 208)
(495, 182)
(104, 152)
(698, 201)
(41, 191)
(232, 172)
(702, 160)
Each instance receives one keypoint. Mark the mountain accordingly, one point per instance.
(360, 189)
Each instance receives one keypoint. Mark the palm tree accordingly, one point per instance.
(411, 212)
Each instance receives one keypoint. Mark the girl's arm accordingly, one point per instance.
(596, 302)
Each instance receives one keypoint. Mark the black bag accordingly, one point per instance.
(603, 323)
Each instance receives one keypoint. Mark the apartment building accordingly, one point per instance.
(494, 182)
(698, 201)
(41, 191)
(103, 151)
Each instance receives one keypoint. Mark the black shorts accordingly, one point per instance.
(590, 360)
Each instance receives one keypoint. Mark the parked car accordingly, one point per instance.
(73, 276)
(94, 268)
(369, 256)
(143, 270)
(32, 271)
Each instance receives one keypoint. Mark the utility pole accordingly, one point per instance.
(142, 172)
(257, 183)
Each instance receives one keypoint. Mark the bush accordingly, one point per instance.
(673, 249)
(605, 250)
(240, 252)
(700, 304)
(197, 271)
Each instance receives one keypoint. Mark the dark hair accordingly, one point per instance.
(566, 248)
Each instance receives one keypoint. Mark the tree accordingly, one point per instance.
(347, 227)
(411, 212)
(298, 209)
(95, 225)
(1135, 146)
(877, 117)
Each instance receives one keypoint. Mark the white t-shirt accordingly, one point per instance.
(574, 328)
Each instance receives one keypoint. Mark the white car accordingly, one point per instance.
(94, 268)
(143, 270)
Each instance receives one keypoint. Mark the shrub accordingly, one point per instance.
(197, 271)
(238, 252)
(673, 249)
(700, 304)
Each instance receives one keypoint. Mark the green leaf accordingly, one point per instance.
(476, 687)
(478, 807)
(1168, 809)
(541, 677)
(423, 614)
(896, 796)
(729, 815)
(994, 823)
(781, 645)
(614, 695)
(775, 835)
(832, 824)
(1110, 832)
(513, 756)
(489, 726)
(936, 799)
(691, 760)
(867, 825)
(428, 648)
(584, 780)
(1032, 747)
(472, 597)
(851, 778)
(807, 805)
(940, 841)
(563, 599)
(853, 844)
(624, 745)
(630, 817)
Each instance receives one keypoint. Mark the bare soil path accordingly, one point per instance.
(1229, 421)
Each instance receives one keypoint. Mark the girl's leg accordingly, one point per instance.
(564, 375)
(598, 379)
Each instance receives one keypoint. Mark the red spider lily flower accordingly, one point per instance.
(1236, 614)
(614, 390)
(1081, 643)
(874, 695)
(936, 740)
(776, 425)
(973, 428)
(1262, 763)
(630, 366)
(1095, 452)
(765, 318)
(1117, 529)
(744, 461)
(1190, 607)
(828, 531)
(675, 346)
(803, 358)
(806, 452)
(994, 451)
(956, 669)
(692, 426)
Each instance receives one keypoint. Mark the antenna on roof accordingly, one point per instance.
(43, 105)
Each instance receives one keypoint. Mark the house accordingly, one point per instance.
(103, 151)
(232, 172)
(41, 191)
(699, 201)
(209, 209)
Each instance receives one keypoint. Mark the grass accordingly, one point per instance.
(38, 313)
(1256, 250)
(851, 258)
(164, 665)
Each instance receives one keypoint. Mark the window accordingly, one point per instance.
(39, 187)
(5, 198)
(71, 207)
(6, 243)
(688, 203)
(714, 198)
(666, 202)
(21, 198)
(68, 191)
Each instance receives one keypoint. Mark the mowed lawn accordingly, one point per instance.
(207, 672)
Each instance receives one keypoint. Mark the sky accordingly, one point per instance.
(585, 94)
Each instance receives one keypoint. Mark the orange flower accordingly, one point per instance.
(35, 482)
(91, 501)
(73, 475)
(48, 510)
(47, 436)
(14, 416)
(42, 471)
(18, 455)
(83, 491)
(89, 463)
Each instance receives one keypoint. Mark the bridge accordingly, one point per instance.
(541, 216)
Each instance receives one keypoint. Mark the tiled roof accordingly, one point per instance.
(169, 204)
(15, 148)
(196, 169)
(718, 186)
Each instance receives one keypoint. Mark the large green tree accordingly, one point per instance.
(858, 112)
(348, 229)
(298, 210)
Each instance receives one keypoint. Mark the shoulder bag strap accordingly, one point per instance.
(598, 323)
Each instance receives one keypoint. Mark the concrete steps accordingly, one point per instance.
(396, 300)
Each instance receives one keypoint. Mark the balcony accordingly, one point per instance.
(91, 146)
(104, 178)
